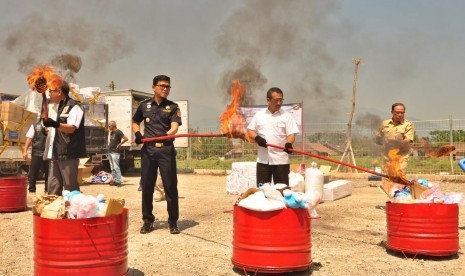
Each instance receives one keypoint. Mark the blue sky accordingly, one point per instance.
(412, 51)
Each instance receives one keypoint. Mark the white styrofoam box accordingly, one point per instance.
(237, 184)
(296, 182)
(248, 168)
(241, 178)
(337, 189)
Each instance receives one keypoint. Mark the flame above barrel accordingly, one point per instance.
(232, 121)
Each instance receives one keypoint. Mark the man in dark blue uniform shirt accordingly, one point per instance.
(161, 117)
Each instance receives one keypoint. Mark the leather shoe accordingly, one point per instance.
(147, 228)
(174, 229)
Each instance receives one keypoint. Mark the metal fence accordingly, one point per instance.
(329, 140)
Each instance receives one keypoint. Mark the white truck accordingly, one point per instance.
(121, 105)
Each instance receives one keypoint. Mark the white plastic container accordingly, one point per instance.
(314, 180)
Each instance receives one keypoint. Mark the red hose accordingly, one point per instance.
(160, 138)
(269, 145)
(329, 159)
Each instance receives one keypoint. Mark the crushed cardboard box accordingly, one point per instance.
(54, 210)
(416, 189)
(115, 206)
(40, 202)
(84, 171)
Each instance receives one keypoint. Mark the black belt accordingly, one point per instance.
(163, 144)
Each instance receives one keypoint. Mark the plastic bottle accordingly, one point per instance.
(314, 180)
(462, 164)
(102, 205)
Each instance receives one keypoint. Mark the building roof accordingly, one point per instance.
(319, 148)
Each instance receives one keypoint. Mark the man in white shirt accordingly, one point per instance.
(277, 127)
(68, 142)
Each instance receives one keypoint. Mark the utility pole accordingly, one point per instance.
(111, 85)
(348, 152)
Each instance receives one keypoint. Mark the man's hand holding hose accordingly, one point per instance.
(288, 147)
(260, 141)
(139, 137)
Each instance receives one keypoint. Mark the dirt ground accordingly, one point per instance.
(348, 239)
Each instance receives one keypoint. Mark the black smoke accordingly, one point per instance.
(368, 120)
(287, 37)
(65, 42)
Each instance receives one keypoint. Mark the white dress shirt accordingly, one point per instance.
(274, 128)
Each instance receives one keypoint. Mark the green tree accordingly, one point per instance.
(443, 136)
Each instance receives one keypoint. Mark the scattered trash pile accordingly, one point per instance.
(76, 205)
(101, 177)
(421, 191)
(270, 197)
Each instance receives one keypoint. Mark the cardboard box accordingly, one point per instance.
(325, 169)
(84, 171)
(30, 117)
(54, 210)
(11, 131)
(11, 112)
(337, 189)
(114, 207)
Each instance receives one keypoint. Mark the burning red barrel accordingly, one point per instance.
(423, 228)
(271, 242)
(13, 193)
(92, 246)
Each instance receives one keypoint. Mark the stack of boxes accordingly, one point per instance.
(241, 178)
(16, 121)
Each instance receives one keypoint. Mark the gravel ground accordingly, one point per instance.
(348, 239)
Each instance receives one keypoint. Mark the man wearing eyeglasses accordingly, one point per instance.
(397, 133)
(277, 127)
(161, 117)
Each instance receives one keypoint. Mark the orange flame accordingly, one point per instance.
(232, 121)
(43, 77)
(392, 167)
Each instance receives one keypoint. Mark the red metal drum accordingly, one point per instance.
(13, 193)
(271, 242)
(423, 228)
(92, 246)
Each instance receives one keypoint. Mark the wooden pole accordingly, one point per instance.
(348, 152)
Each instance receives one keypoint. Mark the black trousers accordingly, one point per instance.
(37, 163)
(164, 159)
(279, 173)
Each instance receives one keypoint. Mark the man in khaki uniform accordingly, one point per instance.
(397, 132)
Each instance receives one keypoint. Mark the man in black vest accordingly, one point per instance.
(68, 141)
(36, 137)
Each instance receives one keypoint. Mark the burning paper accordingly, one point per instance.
(435, 151)
(40, 76)
(41, 79)
(232, 121)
